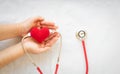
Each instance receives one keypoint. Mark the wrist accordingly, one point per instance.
(25, 45)
(20, 49)
(19, 29)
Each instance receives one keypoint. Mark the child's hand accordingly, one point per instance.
(34, 47)
(26, 26)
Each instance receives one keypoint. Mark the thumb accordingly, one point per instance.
(38, 19)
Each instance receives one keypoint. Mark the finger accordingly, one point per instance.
(47, 23)
(50, 27)
(50, 37)
(38, 24)
(52, 41)
(38, 19)
(35, 21)
(42, 44)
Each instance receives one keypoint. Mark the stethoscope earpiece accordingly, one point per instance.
(80, 34)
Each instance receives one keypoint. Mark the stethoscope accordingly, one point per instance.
(81, 35)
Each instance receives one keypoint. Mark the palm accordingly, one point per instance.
(34, 47)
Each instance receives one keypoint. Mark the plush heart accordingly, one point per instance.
(40, 34)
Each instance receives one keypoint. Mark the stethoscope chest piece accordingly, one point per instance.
(80, 34)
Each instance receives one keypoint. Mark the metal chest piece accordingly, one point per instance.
(81, 34)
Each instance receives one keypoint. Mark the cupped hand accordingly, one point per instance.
(32, 46)
(28, 24)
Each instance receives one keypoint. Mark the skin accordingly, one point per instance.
(21, 29)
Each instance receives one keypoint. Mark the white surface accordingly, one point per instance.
(101, 20)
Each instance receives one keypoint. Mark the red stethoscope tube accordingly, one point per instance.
(39, 70)
(85, 55)
(81, 36)
(56, 69)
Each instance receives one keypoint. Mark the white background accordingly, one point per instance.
(99, 18)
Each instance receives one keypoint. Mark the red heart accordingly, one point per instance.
(40, 34)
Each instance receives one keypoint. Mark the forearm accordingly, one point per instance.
(9, 31)
(10, 54)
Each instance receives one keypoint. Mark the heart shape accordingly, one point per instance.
(39, 34)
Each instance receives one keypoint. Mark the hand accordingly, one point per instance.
(26, 26)
(34, 47)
